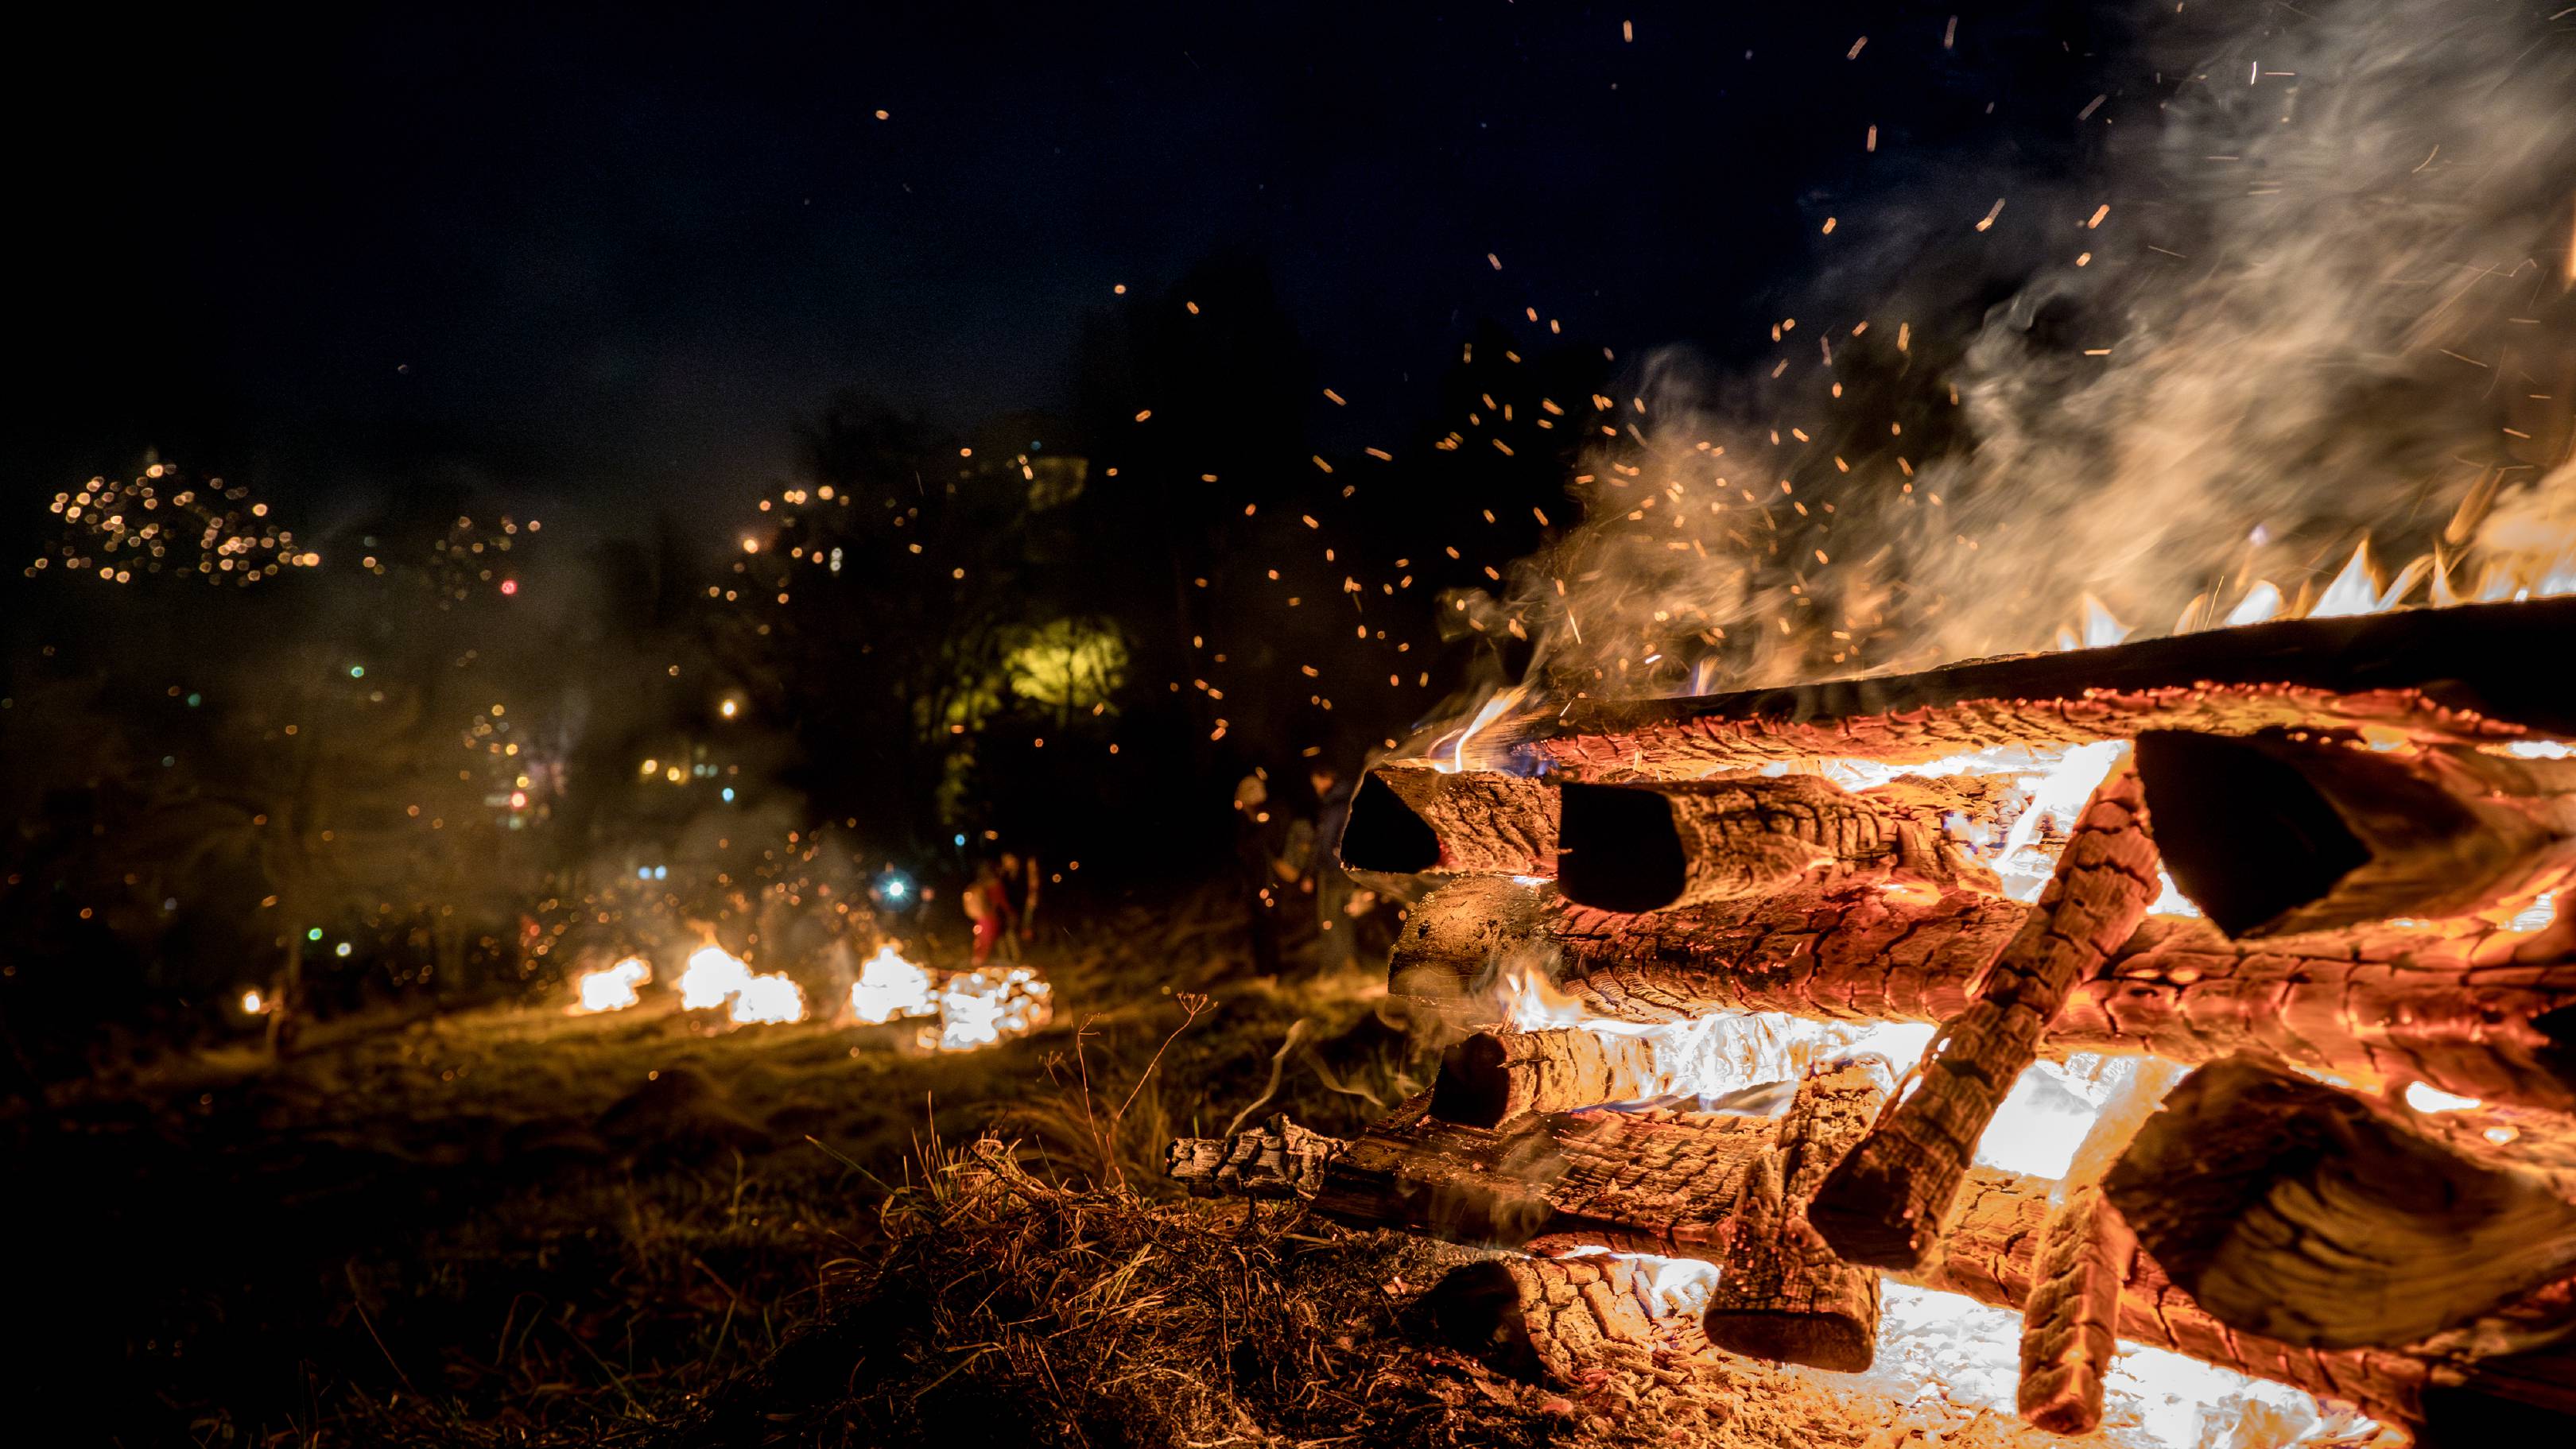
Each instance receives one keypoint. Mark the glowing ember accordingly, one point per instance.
(1727, 1057)
(611, 988)
(713, 974)
(890, 986)
(981, 1007)
(2536, 916)
(1942, 1353)
(1953, 1359)
(251, 1002)
(2053, 786)
(768, 1000)
(2430, 1099)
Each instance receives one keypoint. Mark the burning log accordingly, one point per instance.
(1992, 1253)
(2072, 1317)
(1863, 954)
(1781, 1293)
(1655, 1181)
(1550, 1320)
(1884, 1203)
(1461, 1184)
(2272, 834)
(1276, 1160)
(2472, 1009)
(1648, 848)
(1493, 1077)
(2461, 674)
(2295, 1210)
(1409, 820)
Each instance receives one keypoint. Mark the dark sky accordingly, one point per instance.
(611, 254)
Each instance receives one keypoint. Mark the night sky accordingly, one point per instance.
(604, 257)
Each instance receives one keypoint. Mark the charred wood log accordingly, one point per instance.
(1277, 1159)
(1884, 1203)
(2272, 834)
(2462, 674)
(1991, 1253)
(1458, 941)
(2469, 1007)
(1410, 820)
(1781, 1292)
(1647, 848)
(2472, 1009)
(1492, 1077)
(1457, 1183)
(1646, 1182)
(1553, 1320)
(2289, 1208)
(2071, 1320)
(1866, 954)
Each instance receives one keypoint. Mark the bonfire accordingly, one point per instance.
(2166, 1035)
(961, 1010)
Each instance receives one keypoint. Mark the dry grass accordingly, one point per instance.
(439, 1232)
(1007, 1309)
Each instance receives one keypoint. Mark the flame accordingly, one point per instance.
(1723, 1054)
(2100, 629)
(2055, 784)
(713, 975)
(1495, 708)
(1947, 1354)
(611, 988)
(975, 1008)
(772, 999)
(890, 986)
(984, 1006)
(2534, 560)
(251, 1003)
(2261, 603)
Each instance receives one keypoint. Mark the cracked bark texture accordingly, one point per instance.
(1413, 819)
(1781, 1292)
(1277, 1159)
(1992, 1253)
(1415, 1172)
(1555, 1320)
(2071, 1319)
(2293, 1209)
(1492, 1077)
(1655, 847)
(1645, 1182)
(1885, 1201)
(2462, 674)
(2463, 1005)
(2073, 1312)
